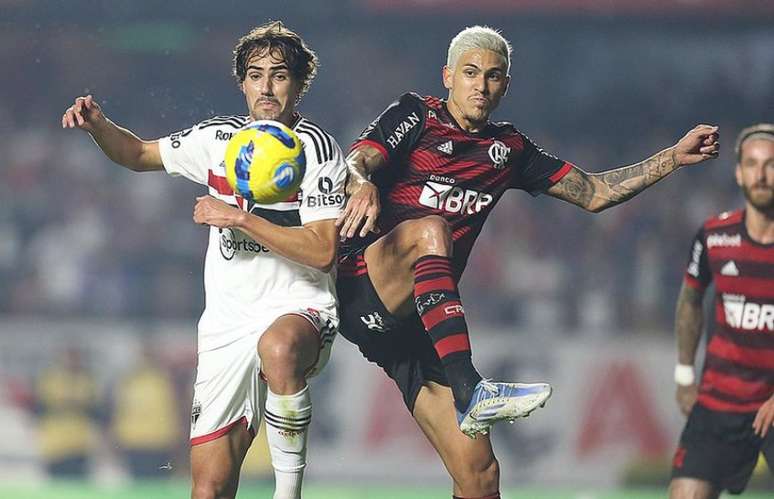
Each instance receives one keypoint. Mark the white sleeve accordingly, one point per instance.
(322, 190)
(185, 153)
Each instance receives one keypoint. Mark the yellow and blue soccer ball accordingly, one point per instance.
(265, 162)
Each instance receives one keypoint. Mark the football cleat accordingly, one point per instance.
(496, 401)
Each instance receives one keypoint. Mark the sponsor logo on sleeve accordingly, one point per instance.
(693, 265)
(402, 129)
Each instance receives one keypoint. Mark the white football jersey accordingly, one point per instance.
(244, 280)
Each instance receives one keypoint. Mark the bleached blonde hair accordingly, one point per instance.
(479, 37)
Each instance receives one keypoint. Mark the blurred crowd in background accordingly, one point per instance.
(80, 236)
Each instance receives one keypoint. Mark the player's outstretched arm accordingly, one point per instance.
(118, 144)
(598, 191)
(363, 205)
(313, 245)
(688, 327)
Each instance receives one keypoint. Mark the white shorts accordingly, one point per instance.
(229, 389)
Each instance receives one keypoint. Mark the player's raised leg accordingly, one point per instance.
(288, 349)
(411, 270)
(215, 464)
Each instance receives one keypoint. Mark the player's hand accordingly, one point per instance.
(363, 208)
(686, 397)
(698, 145)
(764, 418)
(214, 212)
(85, 114)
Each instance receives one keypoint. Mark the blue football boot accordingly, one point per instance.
(495, 401)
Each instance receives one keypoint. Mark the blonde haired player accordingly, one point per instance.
(270, 310)
(430, 171)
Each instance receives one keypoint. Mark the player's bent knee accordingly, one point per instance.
(288, 348)
(212, 489)
(433, 235)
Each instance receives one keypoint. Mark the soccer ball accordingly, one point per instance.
(265, 162)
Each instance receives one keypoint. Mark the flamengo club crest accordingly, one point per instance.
(498, 153)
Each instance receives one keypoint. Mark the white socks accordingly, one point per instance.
(287, 422)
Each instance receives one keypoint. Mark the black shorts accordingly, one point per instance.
(721, 448)
(401, 347)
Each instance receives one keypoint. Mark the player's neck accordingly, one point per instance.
(759, 225)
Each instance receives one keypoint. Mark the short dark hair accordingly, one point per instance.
(274, 36)
(759, 131)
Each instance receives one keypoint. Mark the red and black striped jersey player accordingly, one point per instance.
(731, 411)
(425, 175)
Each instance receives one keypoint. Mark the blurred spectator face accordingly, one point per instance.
(476, 84)
(270, 89)
(755, 173)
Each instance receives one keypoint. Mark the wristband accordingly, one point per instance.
(684, 375)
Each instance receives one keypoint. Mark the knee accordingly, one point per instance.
(211, 489)
(482, 476)
(689, 488)
(433, 235)
(285, 348)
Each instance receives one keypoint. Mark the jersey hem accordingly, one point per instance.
(209, 437)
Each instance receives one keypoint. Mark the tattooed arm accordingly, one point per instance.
(688, 326)
(688, 323)
(597, 191)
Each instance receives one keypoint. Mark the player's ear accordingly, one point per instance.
(507, 85)
(447, 77)
(242, 86)
(738, 174)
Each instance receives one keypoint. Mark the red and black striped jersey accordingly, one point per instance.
(434, 167)
(739, 365)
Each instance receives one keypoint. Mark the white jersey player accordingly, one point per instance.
(270, 312)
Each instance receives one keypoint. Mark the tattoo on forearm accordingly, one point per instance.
(577, 188)
(597, 191)
(688, 323)
(625, 183)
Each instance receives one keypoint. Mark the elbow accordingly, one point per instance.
(135, 167)
(597, 208)
(325, 262)
(326, 268)
(131, 164)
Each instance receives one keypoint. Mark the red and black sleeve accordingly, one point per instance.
(698, 274)
(395, 132)
(537, 170)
